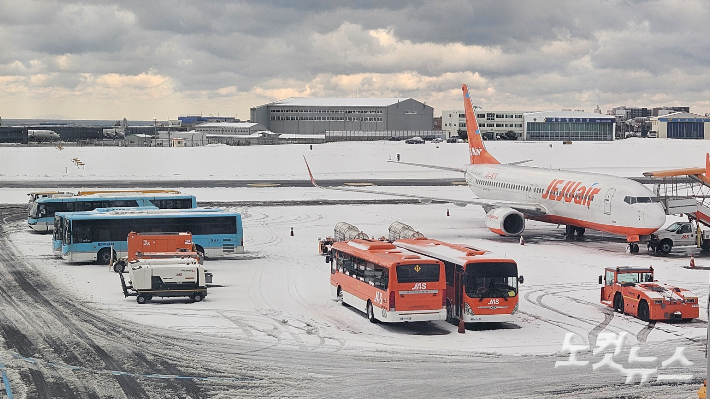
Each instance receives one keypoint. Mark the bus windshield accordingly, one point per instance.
(419, 273)
(492, 280)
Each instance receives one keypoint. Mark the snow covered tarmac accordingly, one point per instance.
(278, 294)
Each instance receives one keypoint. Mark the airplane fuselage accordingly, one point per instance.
(599, 202)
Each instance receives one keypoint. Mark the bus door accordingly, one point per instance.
(458, 291)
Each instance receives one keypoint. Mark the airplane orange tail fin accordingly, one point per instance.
(476, 148)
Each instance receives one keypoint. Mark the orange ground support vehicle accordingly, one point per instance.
(387, 283)
(634, 291)
(157, 245)
(480, 287)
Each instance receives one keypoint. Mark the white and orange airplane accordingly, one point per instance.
(511, 193)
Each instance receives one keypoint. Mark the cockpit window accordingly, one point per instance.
(640, 200)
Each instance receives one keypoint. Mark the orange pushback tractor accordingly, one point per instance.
(635, 291)
(480, 287)
(389, 284)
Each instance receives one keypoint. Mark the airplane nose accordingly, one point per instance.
(654, 216)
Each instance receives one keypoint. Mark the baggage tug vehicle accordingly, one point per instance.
(633, 290)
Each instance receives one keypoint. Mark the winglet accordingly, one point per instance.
(476, 148)
(310, 174)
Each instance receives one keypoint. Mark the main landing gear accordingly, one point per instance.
(571, 231)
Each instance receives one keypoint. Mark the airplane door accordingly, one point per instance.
(607, 200)
(531, 191)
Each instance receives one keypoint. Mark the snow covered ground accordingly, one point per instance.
(278, 293)
(345, 160)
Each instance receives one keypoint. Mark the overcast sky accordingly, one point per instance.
(164, 58)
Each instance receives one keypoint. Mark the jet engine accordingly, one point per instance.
(505, 221)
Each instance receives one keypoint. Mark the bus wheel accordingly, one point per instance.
(197, 297)
(644, 314)
(370, 313)
(104, 256)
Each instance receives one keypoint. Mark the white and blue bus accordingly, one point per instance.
(89, 236)
(40, 213)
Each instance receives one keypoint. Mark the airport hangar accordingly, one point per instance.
(681, 125)
(340, 119)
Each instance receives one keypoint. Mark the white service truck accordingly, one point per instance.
(679, 234)
(171, 277)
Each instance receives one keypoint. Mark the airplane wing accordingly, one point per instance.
(451, 169)
(528, 209)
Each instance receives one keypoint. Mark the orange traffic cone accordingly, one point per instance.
(522, 242)
(462, 326)
(692, 261)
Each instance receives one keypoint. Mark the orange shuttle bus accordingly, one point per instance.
(479, 286)
(389, 284)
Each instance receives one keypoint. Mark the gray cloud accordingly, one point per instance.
(235, 54)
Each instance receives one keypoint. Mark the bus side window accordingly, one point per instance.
(381, 277)
(82, 234)
(369, 273)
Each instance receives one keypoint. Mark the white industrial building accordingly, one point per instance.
(236, 128)
(492, 124)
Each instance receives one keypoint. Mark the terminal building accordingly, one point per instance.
(681, 125)
(348, 118)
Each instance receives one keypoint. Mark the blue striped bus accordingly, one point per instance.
(40, 213)
(89, 236)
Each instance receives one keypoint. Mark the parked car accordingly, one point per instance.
(414, 140)
(437, 140)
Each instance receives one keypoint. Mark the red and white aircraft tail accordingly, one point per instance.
(476, 148)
